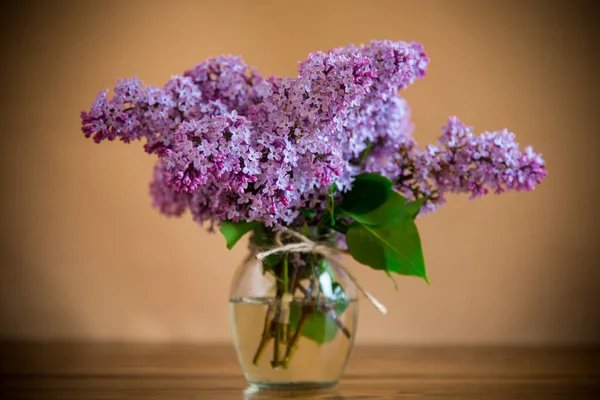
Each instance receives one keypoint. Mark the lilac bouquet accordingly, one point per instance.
(328, 155)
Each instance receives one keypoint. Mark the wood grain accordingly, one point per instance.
(184, 371)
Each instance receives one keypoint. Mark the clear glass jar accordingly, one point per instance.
(294, 319)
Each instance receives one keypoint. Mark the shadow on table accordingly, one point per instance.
(317, 394)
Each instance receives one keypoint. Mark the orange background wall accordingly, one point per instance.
(84, 256)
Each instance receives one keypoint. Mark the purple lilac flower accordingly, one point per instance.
(229, 80)
(169, 202)
(135, 112)
(118, 117)
(468, 163)
(381, 123)
(234, 146)
(268, 165)
(387, 129)
(216, 150)
(398, 64)
(218, 160)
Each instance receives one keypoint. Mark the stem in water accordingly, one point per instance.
(266, 335)
(284, 309)
(307, 310)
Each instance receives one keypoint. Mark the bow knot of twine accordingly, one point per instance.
(305, 245)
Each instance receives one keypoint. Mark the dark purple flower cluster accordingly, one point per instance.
(235, 146)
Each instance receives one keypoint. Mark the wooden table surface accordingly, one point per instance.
(165, 372)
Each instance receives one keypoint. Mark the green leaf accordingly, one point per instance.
(414, 207)
(262, 237)
(383, 235)
(372, 200)
(233, 231)
(394, 246)
(273, 260)
(340, 296)
(319, 327)
(305, 230)
(331, 203)
(383, 213)
(368, 192)
(365, 247)
(310, 214)
(389, 274)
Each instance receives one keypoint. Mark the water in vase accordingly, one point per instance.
(316, 357)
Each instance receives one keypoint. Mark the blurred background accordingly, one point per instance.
(84, 256)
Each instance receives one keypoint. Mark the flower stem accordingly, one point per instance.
(266, 335)
(276, 363)
(340, 228)
(284, 322)
(366, 152)
(286, 283)
(307, 310)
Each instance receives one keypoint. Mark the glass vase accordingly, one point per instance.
(293, 318)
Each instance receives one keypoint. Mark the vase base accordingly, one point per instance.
(292, 385)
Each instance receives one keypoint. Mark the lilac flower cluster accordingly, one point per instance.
(234, 146)
(464, 162)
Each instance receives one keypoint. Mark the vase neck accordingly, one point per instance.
(265, 238)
